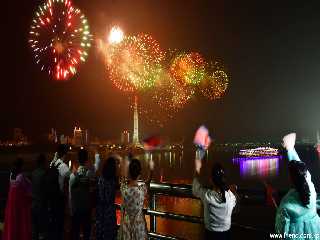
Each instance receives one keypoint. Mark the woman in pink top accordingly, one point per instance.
(17, 223)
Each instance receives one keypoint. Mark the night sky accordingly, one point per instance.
(271, 50)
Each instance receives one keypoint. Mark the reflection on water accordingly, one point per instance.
(258, 166)
(173, 166)
(169, 165)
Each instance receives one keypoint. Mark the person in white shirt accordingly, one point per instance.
(58, 204)
(58, 161)
(218, 202)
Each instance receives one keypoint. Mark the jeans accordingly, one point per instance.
(81, 219)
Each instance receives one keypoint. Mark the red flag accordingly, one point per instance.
(152, 143)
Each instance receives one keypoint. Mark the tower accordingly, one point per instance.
(87, 137)
(135, 138)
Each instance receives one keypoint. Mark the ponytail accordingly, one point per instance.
(298, 172)
(218, 178)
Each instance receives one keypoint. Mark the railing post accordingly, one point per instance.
(152, 206)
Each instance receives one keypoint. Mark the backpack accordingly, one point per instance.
(80, 193)
(52, 189)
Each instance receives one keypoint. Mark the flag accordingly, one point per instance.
(202, 138)
(152, 142)
(202, 141)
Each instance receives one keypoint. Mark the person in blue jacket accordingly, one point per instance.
(297, 216)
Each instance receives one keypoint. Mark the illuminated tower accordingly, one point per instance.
(135, 140)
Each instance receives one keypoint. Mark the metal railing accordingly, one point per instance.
(185, 191)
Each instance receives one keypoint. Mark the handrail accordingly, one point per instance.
(169, 215)
(177, 190)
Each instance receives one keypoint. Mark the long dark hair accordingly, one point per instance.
(41, 161)
(134, 169)
(17, 168)
(219, 179)
(62, 150)
(298, 171)
(109, 169)
(82, 156)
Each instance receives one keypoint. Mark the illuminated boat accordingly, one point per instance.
(259, 152)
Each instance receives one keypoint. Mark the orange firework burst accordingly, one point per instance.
(169, 95)
(134, 63)
(188, 69)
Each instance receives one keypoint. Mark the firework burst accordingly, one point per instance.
(169, 95)
(60, 38)
(188, 69)
(215, 84)
(134, 63)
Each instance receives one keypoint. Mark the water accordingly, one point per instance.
(178, 167)
(247, 173)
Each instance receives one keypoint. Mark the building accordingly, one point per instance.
(135, 137)
(78, 138)
(52, 136)
(66, 139)
(18, 136)
(125, 137)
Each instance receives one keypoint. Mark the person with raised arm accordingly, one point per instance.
(297, 212)
(218, 202)
(56, 194)
(133, 224)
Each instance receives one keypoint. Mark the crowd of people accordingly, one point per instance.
(37, 207)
